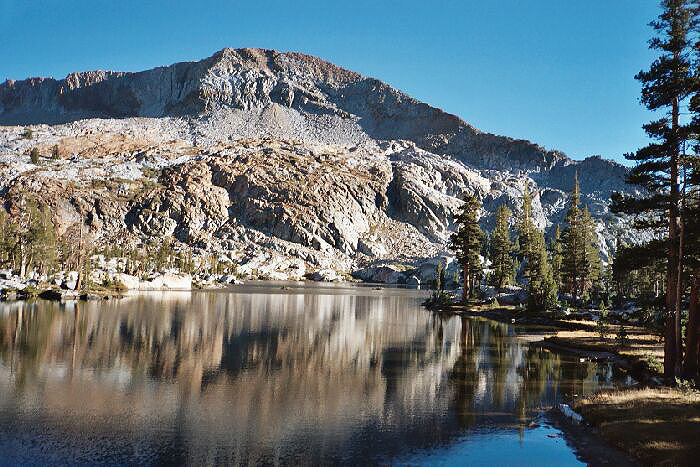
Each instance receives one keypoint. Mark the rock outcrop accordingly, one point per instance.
(281, 163)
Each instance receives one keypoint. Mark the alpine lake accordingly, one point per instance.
(278, 374)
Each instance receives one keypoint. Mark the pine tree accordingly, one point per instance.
(573, 242)
(542, 288)
(580, 269)
(526, 226)
(556, 255)
(607, 282)
(690, 204)
(41, 238)
(501, 248)
(668, 81)
(440, 276)
(466, 242)
(592, 267)
(8, 240)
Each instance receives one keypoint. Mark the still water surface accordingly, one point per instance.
(268, 375)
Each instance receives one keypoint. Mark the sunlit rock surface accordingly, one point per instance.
(255, 154)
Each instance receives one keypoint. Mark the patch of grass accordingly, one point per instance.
(658, 426)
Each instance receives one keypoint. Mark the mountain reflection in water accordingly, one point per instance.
(309, 375)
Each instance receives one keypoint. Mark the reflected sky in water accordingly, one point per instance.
(270, 375)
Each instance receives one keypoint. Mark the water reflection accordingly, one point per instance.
(304, 376)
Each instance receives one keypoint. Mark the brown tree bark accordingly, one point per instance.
(465, 291)
(692, 339)
(79, 281)
(672, 341)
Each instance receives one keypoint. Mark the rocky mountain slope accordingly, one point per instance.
(280, 162)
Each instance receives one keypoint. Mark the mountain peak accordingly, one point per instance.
(291, 95)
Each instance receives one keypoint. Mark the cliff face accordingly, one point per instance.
(254, 152)
(250, 80)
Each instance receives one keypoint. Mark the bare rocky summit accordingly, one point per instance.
(280, 162)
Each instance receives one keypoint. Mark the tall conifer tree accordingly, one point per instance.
(526, 226)
(466, 242)
(665, 85)
(573, 244)
(556, 254)
(501, 249)
(542, 289)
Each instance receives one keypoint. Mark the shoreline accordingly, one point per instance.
(623, 426)
(543, 330)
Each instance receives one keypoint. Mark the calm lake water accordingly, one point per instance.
(262, 374)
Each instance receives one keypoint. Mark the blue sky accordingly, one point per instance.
(556, 72)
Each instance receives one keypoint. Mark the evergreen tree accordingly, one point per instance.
(501, 248)
(526, 226)
(668, 81)
(619, 274)
(466, 242)
(607, 282)
(573, 242)
(581, 266)
(592, 267)
(440, 275)
(8, 240)
(542, 288)
(556, 254)
(690, 212)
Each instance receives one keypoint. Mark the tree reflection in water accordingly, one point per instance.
(261, 377)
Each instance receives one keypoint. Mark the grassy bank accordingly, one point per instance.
(657, 426)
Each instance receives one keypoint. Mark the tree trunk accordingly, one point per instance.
(690, 364)
(79, 281)
(22, 261)
(465, 291)
(672, 343)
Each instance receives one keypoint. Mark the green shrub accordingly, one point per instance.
(34, 156)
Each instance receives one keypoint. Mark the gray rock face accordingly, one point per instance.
(277, 162)
(277, 85)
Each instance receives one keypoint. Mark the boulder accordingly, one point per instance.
(167, 281)
(380, 273)
(12, 284)
(371, 248)
(70, 280)
(325, 275)
(127, 280)
(512, 296)
(229, 279)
